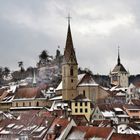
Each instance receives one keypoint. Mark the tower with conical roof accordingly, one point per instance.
(119, 76)
(69, 69)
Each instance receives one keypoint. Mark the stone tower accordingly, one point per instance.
(69, 69)
(119, 76)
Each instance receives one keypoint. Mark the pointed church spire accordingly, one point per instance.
(119, 61)
(69, 53)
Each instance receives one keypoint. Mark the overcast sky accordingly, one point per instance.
(98, 26)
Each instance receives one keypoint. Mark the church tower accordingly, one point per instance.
(119, 76)
(69, 69)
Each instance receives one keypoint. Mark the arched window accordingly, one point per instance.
(84, 92)
(71, 71)
(37, 104)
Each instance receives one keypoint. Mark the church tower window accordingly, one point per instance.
(71, 71)
(84, 92)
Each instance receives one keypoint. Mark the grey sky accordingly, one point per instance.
(98, 27)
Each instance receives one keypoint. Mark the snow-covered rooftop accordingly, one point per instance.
(80, 77)
(59, 86)
(88, 84)
(108, 114)
(122, 116)
(56, 98)
(29, 107)
(39, 129)
(12, 88)
(58, 106)
(118, 109)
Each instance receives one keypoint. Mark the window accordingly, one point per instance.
(85, 103)
(37, 104)
(84, 92)
(29, 103)
(76, 110)
(80, 103)
(86, 110)
(71, 71)
(100, 117)
(96, 111)
(114, 77)
(23, 104)
(16, 104)
(72, 80)
(76, 104)
(81, 110)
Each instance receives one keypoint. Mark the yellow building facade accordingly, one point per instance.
(81, 106)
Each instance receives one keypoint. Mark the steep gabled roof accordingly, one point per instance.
(69, 53)
(87, 80)
(119, 68)
(29, 93)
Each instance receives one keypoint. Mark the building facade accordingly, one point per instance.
(119, 76)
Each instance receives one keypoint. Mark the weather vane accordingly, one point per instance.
(69, 17)
(118, 47)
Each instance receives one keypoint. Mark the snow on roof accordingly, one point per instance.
(1, 128)
(58, 106)
(120, 94)
(12, 88)
(108, 114)
(30, 127)
(29, 107)
(17, 127)
(87, 81)
(10, 125)
(80, 77)
(8, 115)
(56, 98)
(5, 132)
(118, 109)
(59, 86)
(124, 129)
(116, 88)
(88, 84)
(8, 99)
(50, 90)
(39, 129)
(122, 116)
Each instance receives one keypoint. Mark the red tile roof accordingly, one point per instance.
(28, 93)
(79, 119)
(99, 132)
(62, 122)
(136, 101)
(117, 136)
(103, 122)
